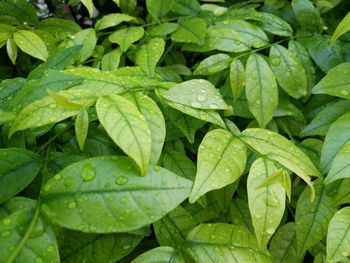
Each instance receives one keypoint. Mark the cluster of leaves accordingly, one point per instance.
(176, 131)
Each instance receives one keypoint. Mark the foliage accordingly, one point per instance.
(174, 131)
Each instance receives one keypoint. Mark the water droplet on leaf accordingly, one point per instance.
(121, 180)
(275, 60)
(88, 173)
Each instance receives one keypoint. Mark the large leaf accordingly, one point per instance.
(213, 64)
(312, 218)
(173, 228)
(39, 246)
(289, 71)
(342, 28)
(261, 89)
(190, 31)
(31, 44)
(266, 204)
(106, 194)
(91, 248)
(196, 93)
(221, 161)
(149, 54)
(229, 243)
(160, 254)
(283, 246)
(338, 237)
(157, 8)
(155, 121)
(127, 127)
(340, 167)
(336, 137)
(18, 167)
(334, 82)
(277, 148)
(324, 118)
(307, 15)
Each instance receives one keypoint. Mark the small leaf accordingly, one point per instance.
(334, 82)
(336, 138)
(289, 71)
(82, 127)
(127, 127)
(342, 28)
(160, 254)
(31, 44)
(173, 228)
(11, 49)
(338, 245)
(223, 241)
(213, 64)
(113, 20)
(157, 8)
(112, 187)
(191, 31)
(277, 148)
(261, 89)
(221, 161)
(18, 167)
(283, 246)
(237, 78)
(89, 6)
(111, 60)
(126, 36)
(312, 218)
(196, 93)
(149, 54)
(266, 204)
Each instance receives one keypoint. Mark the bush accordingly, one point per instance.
(174, 131)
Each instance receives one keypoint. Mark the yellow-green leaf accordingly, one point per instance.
(31, 43)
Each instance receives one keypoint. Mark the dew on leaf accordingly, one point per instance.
(344, 92)
(121, 180)
(88, 173)
(201, 97)
(195, 104)
(275, 60)
(57, 177)
(5, 233)
(72, 205)
(124, 199)
(7, 221)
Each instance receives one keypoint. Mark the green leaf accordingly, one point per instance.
(180, 164)
(40, 246)
(126, 36)
(334, 82)
(127, 127)
(226, 242)
(163, 29)
(186, 7)
(155, 121)
(342, 28)
(312, 218)
(283, 246)
(261, 89)
(160, 254)
(90, 248)
(340, 167)
(196, 93)
(338, 236)
(191, 31)
(266, 204)
(111, 60)
(324, 119)
(89, 6)
(240, 214)
(221, 161)
(336, 138)
(31, 44)
(213, 64)
(18, 167)
(277, 148)
(173, 228)
(289, 71)
(40, 113)
(82, 127)
(11, 49)
(307, 15)
(113, 20)
(149, 54)
(111, 186)
(237, 78)
(87, 38)
(157, 8)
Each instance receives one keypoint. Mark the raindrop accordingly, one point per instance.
(50, 248)
(275, 60)
(212, 236)
(52, 106)
(72, 205)
(7, 221)
(272, 201)
(68, 181)
(81, 227)
(344, 92)
(57, 177)
(38, 260)
(152, 217)
(201, 97)
(270, 230)
(88, 173)
(126, 247)
(213, 106)
(121, 180)
(156, 168)
(124, 199)
(195, 104)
